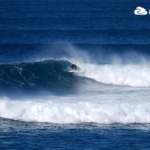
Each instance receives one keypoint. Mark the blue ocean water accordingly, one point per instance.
(104, 105)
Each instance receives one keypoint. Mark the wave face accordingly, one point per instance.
(47, 74)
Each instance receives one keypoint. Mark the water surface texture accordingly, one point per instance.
(104, 105)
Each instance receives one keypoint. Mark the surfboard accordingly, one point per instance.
(73, 71)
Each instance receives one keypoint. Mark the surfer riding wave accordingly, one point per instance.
(73, 67)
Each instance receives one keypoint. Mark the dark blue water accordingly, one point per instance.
(20, 135)
(105, 105)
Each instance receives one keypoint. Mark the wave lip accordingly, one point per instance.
(76, 111)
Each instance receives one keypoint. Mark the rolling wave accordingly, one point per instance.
(53, 74)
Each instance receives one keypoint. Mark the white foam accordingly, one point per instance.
(129, 74)
(77, 110)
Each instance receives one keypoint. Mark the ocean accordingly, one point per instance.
(104, 105)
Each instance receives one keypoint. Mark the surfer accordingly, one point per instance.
(73, 67)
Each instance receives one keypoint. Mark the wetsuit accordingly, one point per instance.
(73, 67)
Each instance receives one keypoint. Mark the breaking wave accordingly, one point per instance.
(53, 74)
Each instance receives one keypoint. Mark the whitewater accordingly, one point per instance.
(137, 75)
(99, 108)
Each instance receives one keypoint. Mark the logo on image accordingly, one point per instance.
(140, 11)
